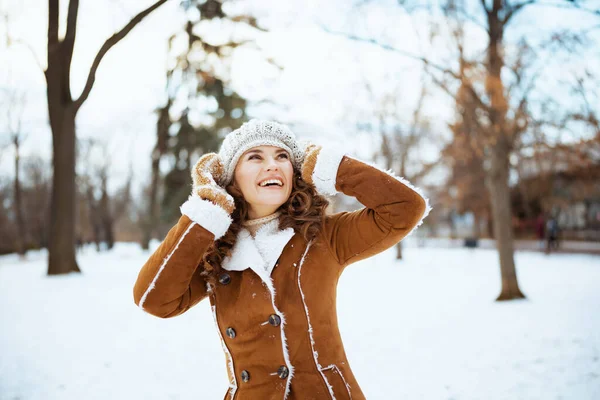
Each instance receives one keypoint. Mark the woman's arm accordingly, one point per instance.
(171, 281)
(393, 208)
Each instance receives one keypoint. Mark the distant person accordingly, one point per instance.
(551, 234)
(255, 240)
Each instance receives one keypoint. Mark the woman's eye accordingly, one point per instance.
(257, 157)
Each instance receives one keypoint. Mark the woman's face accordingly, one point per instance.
(264, 175)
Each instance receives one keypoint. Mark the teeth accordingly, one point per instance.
(277, 181)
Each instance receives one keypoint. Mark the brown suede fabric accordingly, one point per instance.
(305, 280)
(310, 160)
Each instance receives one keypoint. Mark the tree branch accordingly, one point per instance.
(52, 26)
(391, 48)
(427, 168)
(69, 39)
(473, 19)
(515, 9)
(569, 4)
(450, 93)
(487, 10)
(251, 21)
(590, 29)
(424, 60)
(69, 44)
(110, 42)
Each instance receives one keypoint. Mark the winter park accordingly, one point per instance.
(235, 199)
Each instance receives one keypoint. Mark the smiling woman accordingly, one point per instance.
(255, 239)
(264, 176)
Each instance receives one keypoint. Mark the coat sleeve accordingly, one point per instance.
(170, 282)
(393, 208)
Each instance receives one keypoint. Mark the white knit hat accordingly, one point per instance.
(258, 133)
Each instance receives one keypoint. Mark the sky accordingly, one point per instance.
(319, 92)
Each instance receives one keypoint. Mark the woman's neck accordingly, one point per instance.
(253, 225)
(256, 211)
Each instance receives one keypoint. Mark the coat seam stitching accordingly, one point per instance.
(232, 389)
(170, 254)
(311, 339)
(342, 376)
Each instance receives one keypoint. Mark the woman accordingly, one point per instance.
(268, 257)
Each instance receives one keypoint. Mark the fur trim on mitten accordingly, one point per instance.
(320, 168)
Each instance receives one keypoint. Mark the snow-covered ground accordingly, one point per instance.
(424, 328)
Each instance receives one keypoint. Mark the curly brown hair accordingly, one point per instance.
(303, 211)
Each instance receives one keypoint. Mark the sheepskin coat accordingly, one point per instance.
(274, 302)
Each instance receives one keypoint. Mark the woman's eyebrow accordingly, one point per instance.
(260, 151)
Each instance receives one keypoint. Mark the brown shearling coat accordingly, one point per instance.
(279, 331)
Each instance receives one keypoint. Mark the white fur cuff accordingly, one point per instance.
(207, 214)
(326, 168)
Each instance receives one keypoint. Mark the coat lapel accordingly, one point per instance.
(259, 253)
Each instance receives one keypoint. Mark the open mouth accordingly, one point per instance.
(271, 183)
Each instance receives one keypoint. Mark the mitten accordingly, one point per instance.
(320, 166)
(205, 175)
(310, 160)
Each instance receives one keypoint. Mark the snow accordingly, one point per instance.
(423, 328)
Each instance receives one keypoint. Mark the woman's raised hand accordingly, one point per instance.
(310, 160)
(205, 175)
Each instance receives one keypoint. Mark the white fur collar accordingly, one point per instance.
(259, 253)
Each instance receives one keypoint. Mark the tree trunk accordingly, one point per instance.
(476, 232)
(524, 192)
(94, 217)
(151, 219)
(109, 235)
(105, 215)
(399, 251)
(497, 181)
(21, 240)
(62, 110)
(490, 224)
(61, 246)
(498, 149)
(162, 136)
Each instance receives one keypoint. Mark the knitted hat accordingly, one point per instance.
(257, 133)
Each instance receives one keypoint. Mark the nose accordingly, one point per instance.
(271, 164)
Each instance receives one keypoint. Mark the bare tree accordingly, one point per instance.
(112, 207)
(500, 121)
(37, 201)
(7, 228)
(17, 138)
(401, 141)
(150, 219)
(62, 110)
(13, 105)
(97, 205)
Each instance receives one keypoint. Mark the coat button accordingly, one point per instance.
(230, 332)
(283, 372)
(224, 278)
(245, 376)
(274, 319)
